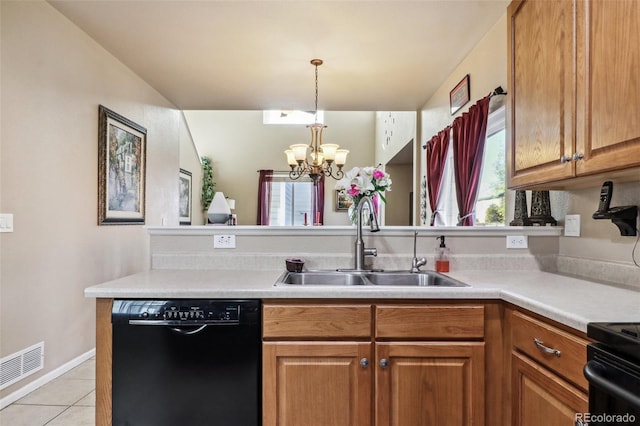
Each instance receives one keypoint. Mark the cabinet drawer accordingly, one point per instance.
(570, 359)
(316, 321)
(430, 322)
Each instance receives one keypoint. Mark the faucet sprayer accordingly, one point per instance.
(415, 262)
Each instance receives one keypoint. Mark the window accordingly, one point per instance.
(291, 117)
(490, 206)
(291, 201)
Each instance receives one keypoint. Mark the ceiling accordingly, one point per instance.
(250, 55)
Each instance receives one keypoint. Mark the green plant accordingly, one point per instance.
(495, 214)
(208, 184)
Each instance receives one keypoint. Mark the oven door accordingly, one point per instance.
(614, 388)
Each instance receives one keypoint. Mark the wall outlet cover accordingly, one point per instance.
(224, 241)
(572, 225)
(517, 242)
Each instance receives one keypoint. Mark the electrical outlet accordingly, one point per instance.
(6, 222)
(224, 241)
(517, 242)
(572, 225)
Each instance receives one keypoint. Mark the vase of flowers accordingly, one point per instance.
(364, 182)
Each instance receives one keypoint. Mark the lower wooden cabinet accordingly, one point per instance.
(397, 378)
(429, 383)
(316, 383)
(547, 384)
(541, 397)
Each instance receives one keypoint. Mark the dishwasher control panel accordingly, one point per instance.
(183, 311)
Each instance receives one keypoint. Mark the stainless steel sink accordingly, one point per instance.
(418, 279)
(321, 278)
(368, 278)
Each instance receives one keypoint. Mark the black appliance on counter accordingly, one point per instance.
(613, 372)
(186, 362)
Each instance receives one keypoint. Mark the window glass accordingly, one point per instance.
(291, 117)
(290, 201)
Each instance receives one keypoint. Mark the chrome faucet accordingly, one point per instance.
(360, 250)
(415, 262)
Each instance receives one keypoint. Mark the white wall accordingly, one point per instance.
(239, 145)
(53, 78)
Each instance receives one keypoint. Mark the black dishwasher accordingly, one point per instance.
(186, 362)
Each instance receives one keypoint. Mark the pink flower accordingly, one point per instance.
(353, 191)
(378, 174)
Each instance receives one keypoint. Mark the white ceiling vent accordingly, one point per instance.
(21, 364)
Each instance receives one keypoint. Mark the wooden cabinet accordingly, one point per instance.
(547, 384)
(429, 383)
(415, 365)
(573, 91)
(316, 383)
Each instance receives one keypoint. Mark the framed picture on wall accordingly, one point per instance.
(122, 146)
(460, 94)
(185, 197)
(343, 202)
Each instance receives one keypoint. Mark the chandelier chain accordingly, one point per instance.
(316, 110)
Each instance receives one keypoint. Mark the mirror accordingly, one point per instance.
(239, 145)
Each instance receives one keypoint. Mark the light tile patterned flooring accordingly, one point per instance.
(68, 400)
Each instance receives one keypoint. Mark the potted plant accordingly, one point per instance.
(208, 185)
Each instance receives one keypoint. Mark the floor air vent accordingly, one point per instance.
(21, 364)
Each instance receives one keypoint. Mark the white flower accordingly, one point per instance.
(364, 181)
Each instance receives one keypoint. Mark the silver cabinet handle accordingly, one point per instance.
(578, 156)
(384, 363)
(540, 345)
(565, 159)
(364, 363)
(581, 423)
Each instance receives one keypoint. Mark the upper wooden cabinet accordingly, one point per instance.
(573, 90)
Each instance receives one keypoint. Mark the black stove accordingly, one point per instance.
(613, 372)
(620, 337)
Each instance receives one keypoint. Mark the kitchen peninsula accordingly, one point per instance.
(482, 324)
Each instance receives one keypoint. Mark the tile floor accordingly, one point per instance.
(68, 400)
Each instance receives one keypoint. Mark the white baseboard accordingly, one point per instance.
(41, 381)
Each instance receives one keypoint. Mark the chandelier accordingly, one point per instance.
(316, 159)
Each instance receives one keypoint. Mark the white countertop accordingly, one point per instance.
(570, 301)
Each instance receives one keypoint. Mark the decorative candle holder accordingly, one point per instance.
(541, 209)
(520, 215)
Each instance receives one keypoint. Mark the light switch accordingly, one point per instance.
(6, 222)
(572, 225)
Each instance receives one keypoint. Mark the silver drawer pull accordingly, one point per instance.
(540, 345)
(384, 363)
(364, 363)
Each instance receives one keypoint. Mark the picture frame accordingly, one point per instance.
(185, 188)
(343, 202)
(460, 95)
(122, 153)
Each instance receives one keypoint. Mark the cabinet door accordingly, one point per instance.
(608, 132)
(316, 383)
(431, 383)
(542, 398)
(541, 123)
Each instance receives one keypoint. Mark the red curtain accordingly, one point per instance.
(317, 206)
(437, 149)
(264, 196)
(469, 134)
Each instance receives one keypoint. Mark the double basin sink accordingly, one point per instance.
(368, 278)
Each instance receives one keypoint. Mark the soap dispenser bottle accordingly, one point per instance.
(442, 256)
